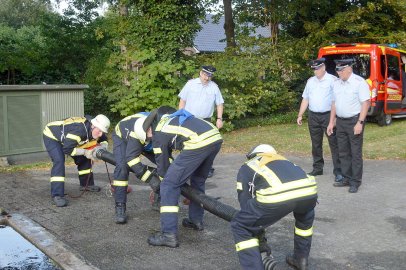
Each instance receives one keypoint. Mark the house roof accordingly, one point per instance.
(212, 37)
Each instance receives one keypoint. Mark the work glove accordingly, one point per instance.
(89, 154)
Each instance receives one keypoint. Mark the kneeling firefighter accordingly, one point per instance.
(129, 143)
(269, 187)
(74, 136)
(199, 142)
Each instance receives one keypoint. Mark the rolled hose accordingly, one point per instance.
(210, 204)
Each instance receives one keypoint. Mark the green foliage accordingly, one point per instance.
(147, 85)
(145, 68)
(258, 78)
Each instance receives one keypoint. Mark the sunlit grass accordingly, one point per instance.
(290, 139)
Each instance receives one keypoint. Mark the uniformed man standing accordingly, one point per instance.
(348, 113)
(130, 142)
(318, 96)
(199, 142)
(270, 187)
(200, 95)
(74, 136)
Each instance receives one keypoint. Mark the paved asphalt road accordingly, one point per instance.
(366, 230)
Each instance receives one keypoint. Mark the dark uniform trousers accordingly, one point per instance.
(122, 170)
(57, 156)
(318, 123)
(195, 164)
(256, 216)
(350, 149)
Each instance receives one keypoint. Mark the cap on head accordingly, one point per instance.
(262, 148)
(101, 122)
(343, 63)
(139, 130)
(317, 63)
(209, 69)
(156, 115)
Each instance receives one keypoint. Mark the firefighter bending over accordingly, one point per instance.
(74, 137)
(199, 142)
(270, 187)
(130, 142)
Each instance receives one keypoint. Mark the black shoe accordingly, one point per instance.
(195, 226)
(164, 239)
(211, 173)
(339, 178)
(121, 217)
(263, 244)
(314, 172)
(297, 263)
(353, 189)
(60, 201)
(342, 183)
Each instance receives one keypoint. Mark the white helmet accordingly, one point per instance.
(101, 122)
(139, 132)
(262, 148)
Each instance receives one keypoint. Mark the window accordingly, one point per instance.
(362, 66)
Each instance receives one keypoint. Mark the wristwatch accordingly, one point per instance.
(361, 121)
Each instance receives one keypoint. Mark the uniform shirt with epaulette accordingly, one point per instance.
(319, 93)
(349, 94)
(169, 135)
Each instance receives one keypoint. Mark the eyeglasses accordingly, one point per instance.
(208, 74)
(339, 69)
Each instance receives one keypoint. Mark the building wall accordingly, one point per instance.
(25, 110)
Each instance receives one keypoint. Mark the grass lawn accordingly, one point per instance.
(290, 139)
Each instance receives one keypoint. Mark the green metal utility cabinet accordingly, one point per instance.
(26, 109)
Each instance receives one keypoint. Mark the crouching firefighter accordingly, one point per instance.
(129, 143)
(269, 187)
(199, 142)
(76, 137)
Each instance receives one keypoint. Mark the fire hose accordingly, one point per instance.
(210, 204)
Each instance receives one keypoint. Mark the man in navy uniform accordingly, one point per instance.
(270, 187)
(318, 96)
(199, 142)
(74, 136)
(130, 142)
(349, 110)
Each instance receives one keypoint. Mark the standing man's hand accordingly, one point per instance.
(219, 123)
(330, 129)
(299, 120)
(357, 128)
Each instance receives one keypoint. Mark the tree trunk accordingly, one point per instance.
(123, 11)
(229, 23)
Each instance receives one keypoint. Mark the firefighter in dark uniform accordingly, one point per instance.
(130, 142)
(270, 187)
(74, 136)
(199, 142)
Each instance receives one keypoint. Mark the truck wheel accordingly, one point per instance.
(384, 119)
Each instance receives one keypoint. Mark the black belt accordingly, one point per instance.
(348, 118)
(320, 113)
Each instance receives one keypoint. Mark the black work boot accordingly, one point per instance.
(300, 263)
(121, 217)
(263, 244)
(187, 223)
(164, 239)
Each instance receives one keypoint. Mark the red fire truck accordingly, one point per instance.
(383, 67)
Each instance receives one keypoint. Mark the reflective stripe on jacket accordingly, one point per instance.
(277, 179)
